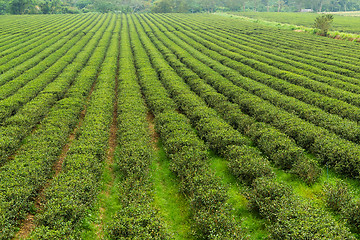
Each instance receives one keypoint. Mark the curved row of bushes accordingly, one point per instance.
(264, 73)
(17, 127)
(74, 190)
(289, 70)
(331, 149)
(246, 162)
(281, 150)
(31, 66)
(340, 199)
(334, 58)
(23, 73)
(16, 40)
(26, 49)
(345, 128)
(137, 218)
(282, 60)
(188, 154)
(301, 42)
(48, 73)
(23, 24)
(27, 173)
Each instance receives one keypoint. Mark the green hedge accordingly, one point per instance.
(281, 149)
(73, 191)
(188, 154)
(31, 103)
(137, 217)
(291, 217)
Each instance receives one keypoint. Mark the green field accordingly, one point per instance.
(343, 23)
(176, 126)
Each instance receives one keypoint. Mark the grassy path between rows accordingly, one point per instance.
(253, 225)
(29, 224)
(174, 208)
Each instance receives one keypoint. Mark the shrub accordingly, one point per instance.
(301, 220)
(268, 196)
(137, 221)
(323, 23)
(246, 163)
(307, 169)
(337, 196)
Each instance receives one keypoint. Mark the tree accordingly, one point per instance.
(19, 6)
(266, 4)
(244, 2)
(133, 6)
(323, 23)
(3, 7)
(50, 6)
(280, 4)
(105, 6)
(233, 5)
(208, 5)
(163, 6)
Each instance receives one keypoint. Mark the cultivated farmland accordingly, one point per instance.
(343, 21)
(176, 126)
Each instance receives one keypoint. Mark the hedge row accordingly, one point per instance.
(16, 41)
(18, 126)
(38, 82)
(235, 60)
(284, 68)
(26, 66)
(338, 58)
(247, 163)
(281, 149)
(21, 24)
(209, 125)
(291, 217)
(281, 60)
(339, 198)
(343, 127)
(8, 38)
(24, 176)
(137, 218)
(338, 153)
(333, 59)
(188, 154)
(301, 42)
(73, 191)
(35, 45)
(20, 75)
(29, 69)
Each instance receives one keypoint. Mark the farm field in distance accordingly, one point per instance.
(343, 21)
(176, 126)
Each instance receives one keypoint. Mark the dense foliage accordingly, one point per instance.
(347, 22)
(167, 6)
(267, 102)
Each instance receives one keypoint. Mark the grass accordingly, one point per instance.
(108, 203)
(172, 205)
(315, 192)
(348, 13)
(343, 27)
(253, 225)
(341, 23)
(250, 221)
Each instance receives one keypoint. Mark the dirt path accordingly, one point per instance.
(29, 224)
(109, 162)
(154, 135)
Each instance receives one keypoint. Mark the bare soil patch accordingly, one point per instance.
(154, 135)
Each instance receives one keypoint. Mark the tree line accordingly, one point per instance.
(166, 6)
